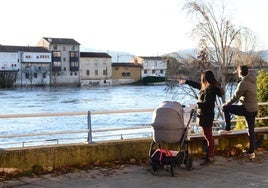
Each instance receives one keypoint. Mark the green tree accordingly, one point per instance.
(262, 91)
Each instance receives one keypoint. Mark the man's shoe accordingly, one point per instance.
(251, 155)
(225, 132)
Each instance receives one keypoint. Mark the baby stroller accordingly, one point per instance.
(169, 127)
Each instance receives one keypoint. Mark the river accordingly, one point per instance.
(63, 99)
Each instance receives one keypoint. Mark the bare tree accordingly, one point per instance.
(223, 42)
(54, 76)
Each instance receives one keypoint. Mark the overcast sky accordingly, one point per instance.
(140, 27)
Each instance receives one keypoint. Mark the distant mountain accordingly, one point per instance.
(123, 57)
(188, 52)
(117, 56)
(264, 54)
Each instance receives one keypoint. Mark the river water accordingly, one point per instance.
(43, 100)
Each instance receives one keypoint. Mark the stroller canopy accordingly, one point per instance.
(168, 115)
(168, 122)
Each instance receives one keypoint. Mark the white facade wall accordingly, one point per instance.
(34, 68)
(9, 61)
(154, 68)
(37, 57)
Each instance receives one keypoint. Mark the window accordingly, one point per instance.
(145, 71)
(125, 74)
(27, 75)
(27, 65)
(74, 64)
(74, 54)
(71, 73)
(56, 64)
(96, 72)
(104, 72)
(63, 48)
(35, 75)
(56, 54)
(44, 75)
(153, 71)
(55, 47)
(64, 59)
(73, 47)
(88, 72)
(64, 69)
(161, 71)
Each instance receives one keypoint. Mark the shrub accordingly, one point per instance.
(262, 92)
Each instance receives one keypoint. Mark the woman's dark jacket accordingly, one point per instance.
(205, 103)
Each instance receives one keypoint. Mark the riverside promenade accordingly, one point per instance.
(225, 172)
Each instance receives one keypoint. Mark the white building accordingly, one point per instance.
(30, 65)
(152, 66)
(95, 68)
(65, 60)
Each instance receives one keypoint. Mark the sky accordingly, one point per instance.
(139, 27)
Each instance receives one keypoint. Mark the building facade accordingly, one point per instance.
(126, 73)
(151, 66)
(65, 67)
(26, 65)
(95, 68)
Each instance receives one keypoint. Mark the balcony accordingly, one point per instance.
(74, 68)
(56, 69)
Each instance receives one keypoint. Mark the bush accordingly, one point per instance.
(262, 91)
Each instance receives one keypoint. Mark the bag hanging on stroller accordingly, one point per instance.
(169, 127)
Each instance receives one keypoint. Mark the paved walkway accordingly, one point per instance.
(224, 173)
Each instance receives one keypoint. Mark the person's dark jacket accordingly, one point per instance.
(205, 103)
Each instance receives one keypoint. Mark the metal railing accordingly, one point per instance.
(89, 131)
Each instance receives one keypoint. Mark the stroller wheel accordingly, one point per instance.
(189, 163)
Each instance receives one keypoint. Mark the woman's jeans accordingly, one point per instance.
(250, 120)
(207, 133)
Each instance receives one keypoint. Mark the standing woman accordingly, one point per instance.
(209, 89)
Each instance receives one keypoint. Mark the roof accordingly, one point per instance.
(61, 41)
(6, 48)
(95, 54)
(151, 57)
(126, 65)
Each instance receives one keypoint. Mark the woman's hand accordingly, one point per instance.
(181, 81)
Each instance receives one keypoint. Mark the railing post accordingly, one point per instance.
(89, 136)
